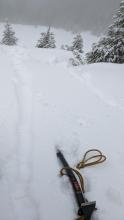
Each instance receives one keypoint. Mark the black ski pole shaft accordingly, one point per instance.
(75, 185)
(85, 208)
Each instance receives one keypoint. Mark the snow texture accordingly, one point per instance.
(45, 102)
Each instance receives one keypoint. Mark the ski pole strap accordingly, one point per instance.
(86, 208)
(80, 218)
(63, 172)
(90, 160)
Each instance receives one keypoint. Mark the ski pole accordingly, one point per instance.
(85, 208)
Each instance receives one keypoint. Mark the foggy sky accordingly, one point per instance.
(69, 14)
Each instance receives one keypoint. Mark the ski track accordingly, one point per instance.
(19, 168)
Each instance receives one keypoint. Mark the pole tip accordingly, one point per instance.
(58, 151)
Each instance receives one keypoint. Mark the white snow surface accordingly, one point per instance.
(45, 102)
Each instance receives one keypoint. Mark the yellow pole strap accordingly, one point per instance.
(62, 172)
(80, 218)
(95, 159)
(88, 160)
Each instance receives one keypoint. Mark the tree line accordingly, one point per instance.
(110, 47)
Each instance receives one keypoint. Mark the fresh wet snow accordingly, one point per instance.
(45, 102)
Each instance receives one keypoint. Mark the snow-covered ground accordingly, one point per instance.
(45, 102)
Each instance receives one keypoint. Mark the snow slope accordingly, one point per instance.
(45, 102)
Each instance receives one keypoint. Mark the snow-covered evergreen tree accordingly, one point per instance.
(9, 35)
(110, 48)
(47, 40)
(77, 59)
(77, 49)
(77, 44)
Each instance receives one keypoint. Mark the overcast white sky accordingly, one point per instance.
(71, 14)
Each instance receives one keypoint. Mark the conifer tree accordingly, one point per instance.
(9, 35)
(46, 40)
(77, 59)
(110, 48)
(77, 44)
